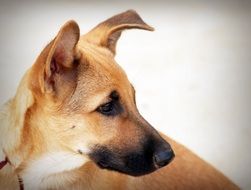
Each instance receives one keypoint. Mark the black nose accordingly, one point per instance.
(163, 157)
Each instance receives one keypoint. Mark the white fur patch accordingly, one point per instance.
(34, 177)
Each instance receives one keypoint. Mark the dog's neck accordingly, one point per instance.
(12, 118)
(13, 146)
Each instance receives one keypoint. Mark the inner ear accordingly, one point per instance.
(61, 55)
(54, 67)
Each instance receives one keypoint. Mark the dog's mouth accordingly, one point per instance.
(133, 163)
(127, 171)
(134, 167)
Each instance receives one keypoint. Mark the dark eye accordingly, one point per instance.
(113, 107)
(107, 109)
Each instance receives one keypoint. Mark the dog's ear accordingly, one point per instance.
(108, 32)
(60, 58)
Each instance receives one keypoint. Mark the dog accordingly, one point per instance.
(74, 124)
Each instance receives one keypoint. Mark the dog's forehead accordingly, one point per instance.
(98, 76)
(97, 63)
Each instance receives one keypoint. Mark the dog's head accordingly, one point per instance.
(85, 105)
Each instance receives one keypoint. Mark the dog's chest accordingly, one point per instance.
(52, 170)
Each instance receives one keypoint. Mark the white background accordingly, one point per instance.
(192, 75)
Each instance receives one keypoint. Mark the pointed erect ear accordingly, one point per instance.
(61, 54)
(108, 32)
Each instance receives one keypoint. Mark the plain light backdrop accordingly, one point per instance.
(192, 75)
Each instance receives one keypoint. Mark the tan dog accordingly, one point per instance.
(74, 124)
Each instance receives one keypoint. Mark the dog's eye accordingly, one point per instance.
(113, 107)
(107, 109)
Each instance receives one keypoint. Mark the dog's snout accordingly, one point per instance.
(163, 157)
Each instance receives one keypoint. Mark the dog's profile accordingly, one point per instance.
(74, 124)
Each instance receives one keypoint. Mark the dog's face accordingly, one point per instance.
(85, 105)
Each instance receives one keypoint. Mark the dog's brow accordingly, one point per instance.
(114, 95)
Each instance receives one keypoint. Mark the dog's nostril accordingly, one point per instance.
(163, 158)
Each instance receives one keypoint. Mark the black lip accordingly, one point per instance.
(124, 171)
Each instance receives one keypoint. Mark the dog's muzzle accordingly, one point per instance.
(139, 162)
